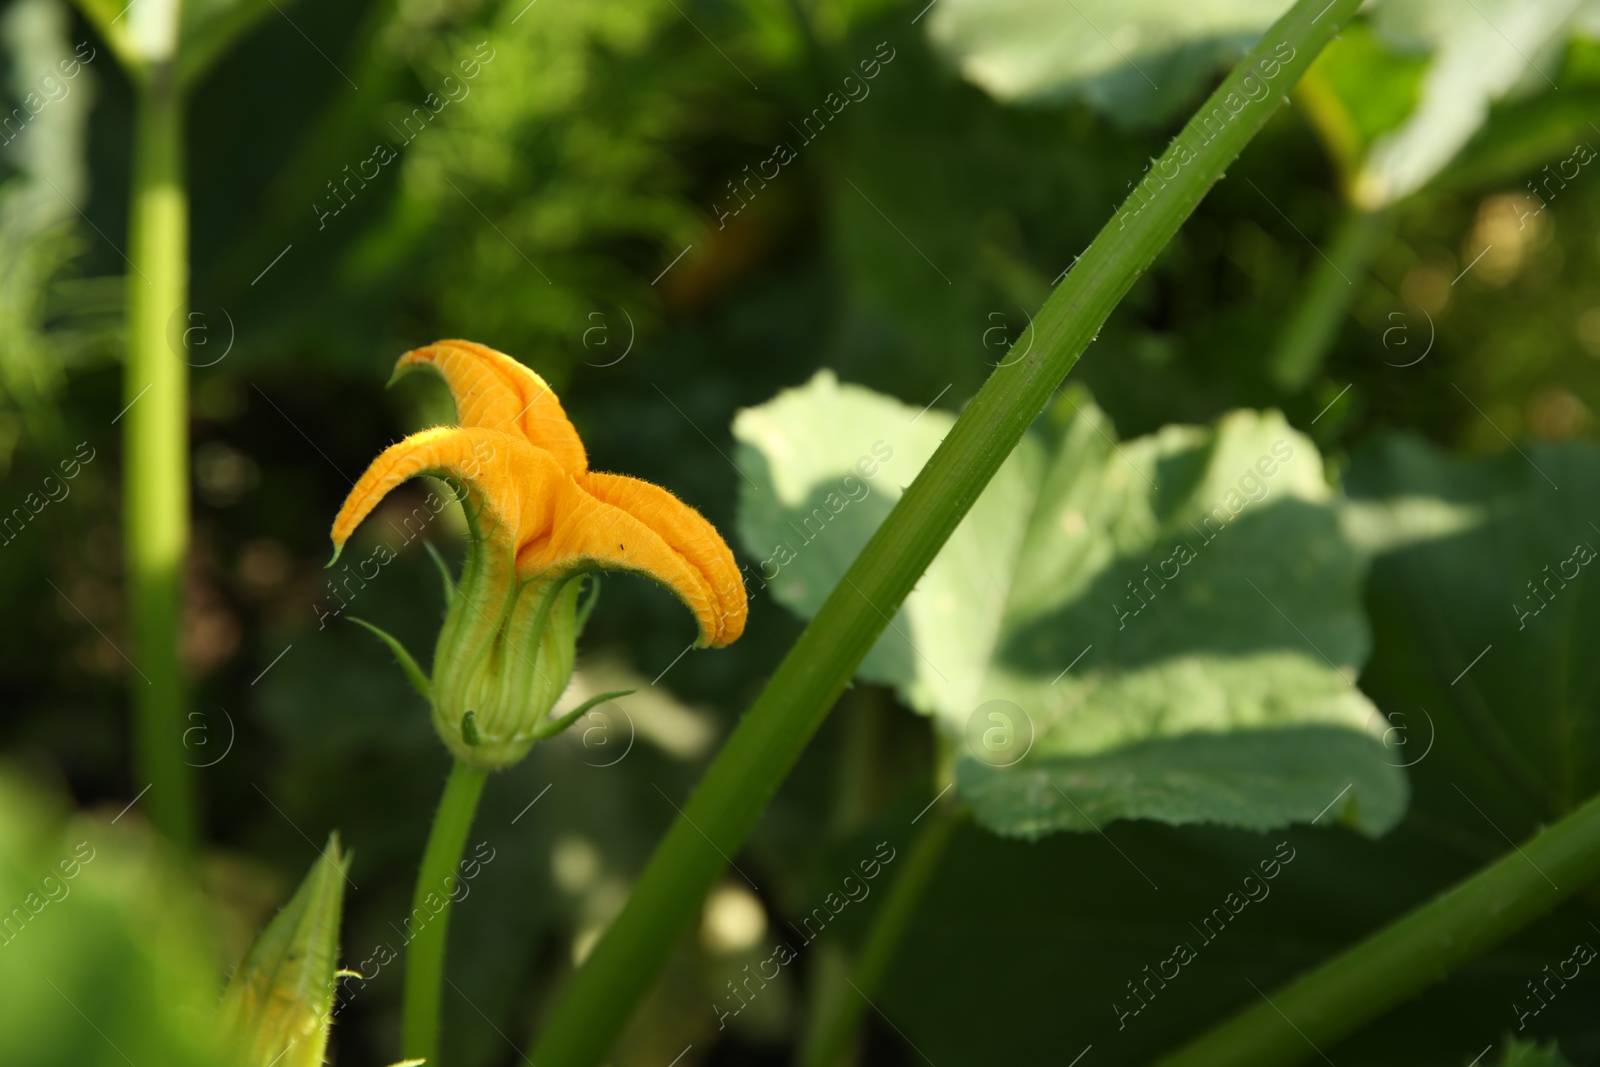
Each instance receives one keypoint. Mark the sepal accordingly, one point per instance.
(414, 674)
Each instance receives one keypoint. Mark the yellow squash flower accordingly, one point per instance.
(538, 518)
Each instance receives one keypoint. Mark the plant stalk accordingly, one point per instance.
(1408, 955)
(156, 452)
(424, 990)
(1322, 305)
(763, 748)
(835, 1033)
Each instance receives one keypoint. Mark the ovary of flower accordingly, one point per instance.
(537, 517)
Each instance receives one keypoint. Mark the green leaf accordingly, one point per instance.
(1530, 1054)
(1138, 60)
(1360, 88)
(106, 955)
(1505, 46)
(1176, 630)
(278, 1006)
(1521, 135)
(1257, 779)
(1395, 99)
(1483, 602)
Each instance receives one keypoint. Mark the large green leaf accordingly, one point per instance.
(1475, 58)
(106, 955)
(1396, 98)
(1134, 60)
(1483, 603)
(1166, 628)
(1524, 134)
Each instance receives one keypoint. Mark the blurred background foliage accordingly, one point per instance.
(576, 207)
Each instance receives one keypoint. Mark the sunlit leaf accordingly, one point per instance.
(1395, 99)
(1476, 57)
(1165, 628)
(1360, 88)
(1132, 61)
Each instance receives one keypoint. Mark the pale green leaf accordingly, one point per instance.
(1442, 65)
(1137, 59)
(1222, 692)
(1478, 55)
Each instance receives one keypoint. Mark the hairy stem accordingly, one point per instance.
(156, 452)
(419, 1024)
(763, 748)
(1409, 954)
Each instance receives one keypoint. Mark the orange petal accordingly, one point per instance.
(494, 391)
(521, 497)
(571, 529)
(687, 533)
(481, 459)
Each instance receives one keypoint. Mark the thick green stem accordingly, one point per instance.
(1410, 954)
(1314, 323)
(835, 1033)
(429, 922)
(156, 452)
(762, 749)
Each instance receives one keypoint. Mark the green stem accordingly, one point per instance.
(419, 1024)
(762, 749)
(837, 1031)
(1314, 323)
(156, 451)
(1410, 954)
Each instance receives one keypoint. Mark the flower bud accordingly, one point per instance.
(504, 658)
